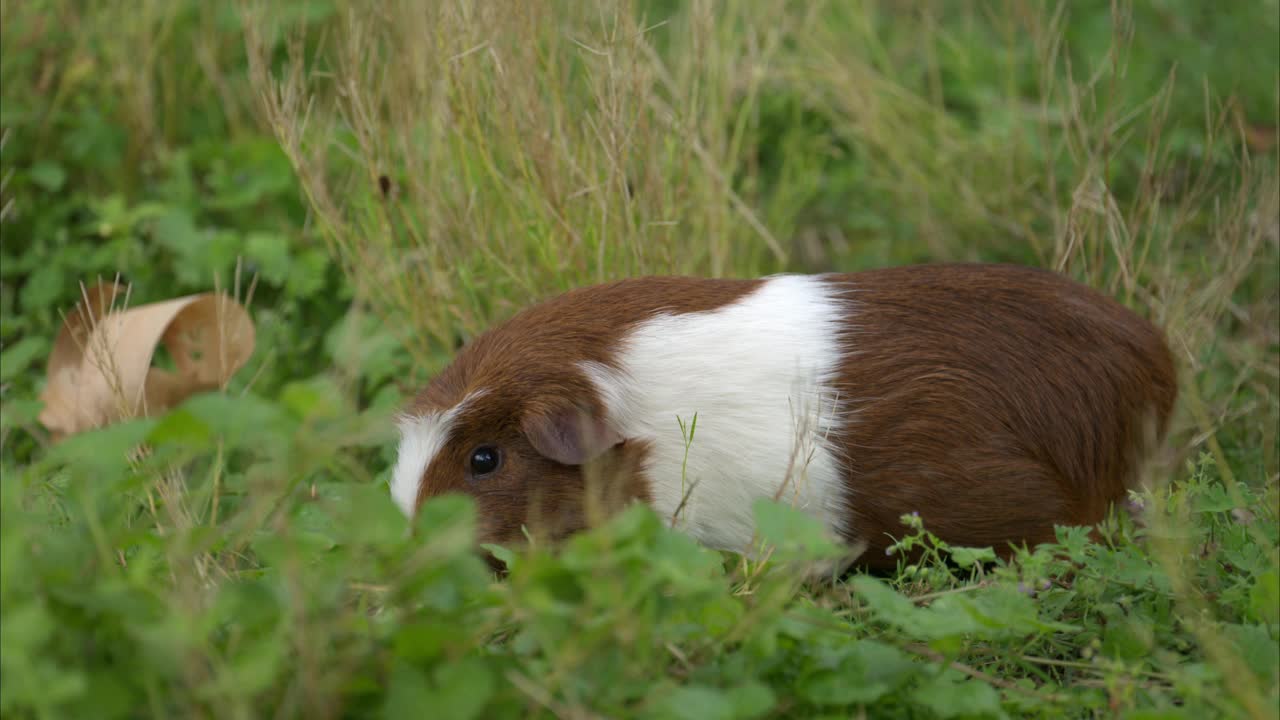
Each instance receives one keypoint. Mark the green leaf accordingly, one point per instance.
(1003, 610)
(219, 257)
(361, 345)
(794, 534)
(447, 522)
(19, 356)
(751, 700)
(504, 555)
(307, 274)
(1215, 499)
(1258, 649)
(176, 230)
(968, 557)
(242, 421)
(47, 175)
(44, 285)
(259, 660)
(424, 639)
(271, 254)
(696, 702)
(1129, 637)
(1264, 598)
(950, 695)
(719, 615)
(107, 695)
(181, 427)
(103, 454)
(408, 695)
(27, 627)
(463, 688)
(366, 516)
(939, 621)
(867, 673)
(316, 398)
(19, 411)
(1163, 714)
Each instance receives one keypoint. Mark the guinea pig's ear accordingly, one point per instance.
(568, 434)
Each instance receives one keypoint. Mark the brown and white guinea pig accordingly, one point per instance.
(996, 401)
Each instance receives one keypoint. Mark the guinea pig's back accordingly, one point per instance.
(994, 400)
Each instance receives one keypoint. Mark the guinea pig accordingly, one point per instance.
(995, 401)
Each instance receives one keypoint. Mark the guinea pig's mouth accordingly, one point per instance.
(497, 566)
(549, 536)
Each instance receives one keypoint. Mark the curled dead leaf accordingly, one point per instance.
(101, 368)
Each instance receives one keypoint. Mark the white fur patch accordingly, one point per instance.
(759, 375)
(421, 437)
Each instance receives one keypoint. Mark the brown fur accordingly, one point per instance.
(996, 401)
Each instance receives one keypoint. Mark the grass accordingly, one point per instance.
(391, 178)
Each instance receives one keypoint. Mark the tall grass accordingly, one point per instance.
(464, 158)
(458, 161)
(461, 155)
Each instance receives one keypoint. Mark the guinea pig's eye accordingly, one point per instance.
(484, 460)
